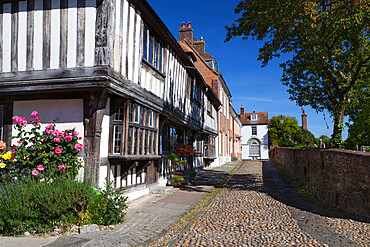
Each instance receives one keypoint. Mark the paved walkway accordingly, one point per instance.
(147, 218)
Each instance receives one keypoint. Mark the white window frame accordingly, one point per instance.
(254, 129)
(254, 117)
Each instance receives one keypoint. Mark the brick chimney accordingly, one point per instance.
(304, 119)
(200, 46)
(186, 32)
(242, 110)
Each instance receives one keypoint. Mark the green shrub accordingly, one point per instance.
(39, 207)
(109, 206)
(234, 159)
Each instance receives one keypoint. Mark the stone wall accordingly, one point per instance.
(338, 177)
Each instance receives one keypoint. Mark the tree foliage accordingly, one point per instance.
(330, 46)
(290, 132)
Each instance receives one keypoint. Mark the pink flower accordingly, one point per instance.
(58, 150)
(75, 133)
(19, 142)
(56, 132)
(40, 167)
(78, 146)
(62, 134)
(20, 120)
(62, 167)
(35, 173)
(34, 114)
(30, 120)
(48, 131)
(50, 126)
(37, 119)
(57, 140)
(69, 137)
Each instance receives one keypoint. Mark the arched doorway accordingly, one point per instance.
(254, 149)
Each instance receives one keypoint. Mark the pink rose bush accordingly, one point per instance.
(42, 154)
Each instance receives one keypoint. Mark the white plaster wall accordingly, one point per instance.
(66, 113)
(104, 144)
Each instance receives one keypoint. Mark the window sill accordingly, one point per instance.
(133, 157)
(153, 68)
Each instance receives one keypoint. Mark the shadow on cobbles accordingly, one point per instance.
(277, 187)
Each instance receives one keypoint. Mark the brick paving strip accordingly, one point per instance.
(246, 213)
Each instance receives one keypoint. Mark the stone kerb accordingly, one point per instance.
(337, 177)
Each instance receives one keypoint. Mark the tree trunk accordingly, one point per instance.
(336, 137)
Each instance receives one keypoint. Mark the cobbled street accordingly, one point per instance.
(256, 208)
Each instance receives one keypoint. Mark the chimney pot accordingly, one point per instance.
(186, 33)
(242, 110)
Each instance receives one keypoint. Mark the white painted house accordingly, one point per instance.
(254, 140)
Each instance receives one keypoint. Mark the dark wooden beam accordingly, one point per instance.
(95, 104)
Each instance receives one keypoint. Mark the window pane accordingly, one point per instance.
(150, 118)
(117, 142)
(137, 113)
(150, 58)
(150, 142)
(160, 54)
(147, 119)
(155, 55)
(129, 140)
(135, 143)
(118, 111)
(254, 130)
(154, 120)
(145, 43)
(154, 143)
(146, 151)
(131, 112)
(142, 115)
(140, 141)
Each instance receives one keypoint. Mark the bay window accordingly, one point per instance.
(136, 135)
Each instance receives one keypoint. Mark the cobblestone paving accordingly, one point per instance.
(257, 208)
(242, 214)
(351, 229)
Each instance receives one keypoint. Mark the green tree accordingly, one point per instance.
(286, 131)
(329, 46)
(359, 129)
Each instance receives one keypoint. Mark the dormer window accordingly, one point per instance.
(212, 63)
(253, 117)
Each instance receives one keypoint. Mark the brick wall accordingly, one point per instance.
(338, 177)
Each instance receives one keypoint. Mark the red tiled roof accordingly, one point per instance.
(262, 118)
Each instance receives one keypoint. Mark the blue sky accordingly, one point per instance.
(258, 89)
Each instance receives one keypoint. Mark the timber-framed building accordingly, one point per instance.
(112, 70)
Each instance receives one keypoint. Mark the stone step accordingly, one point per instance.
(163, 190)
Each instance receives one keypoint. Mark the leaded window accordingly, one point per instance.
(140, 129)
(152, 49)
